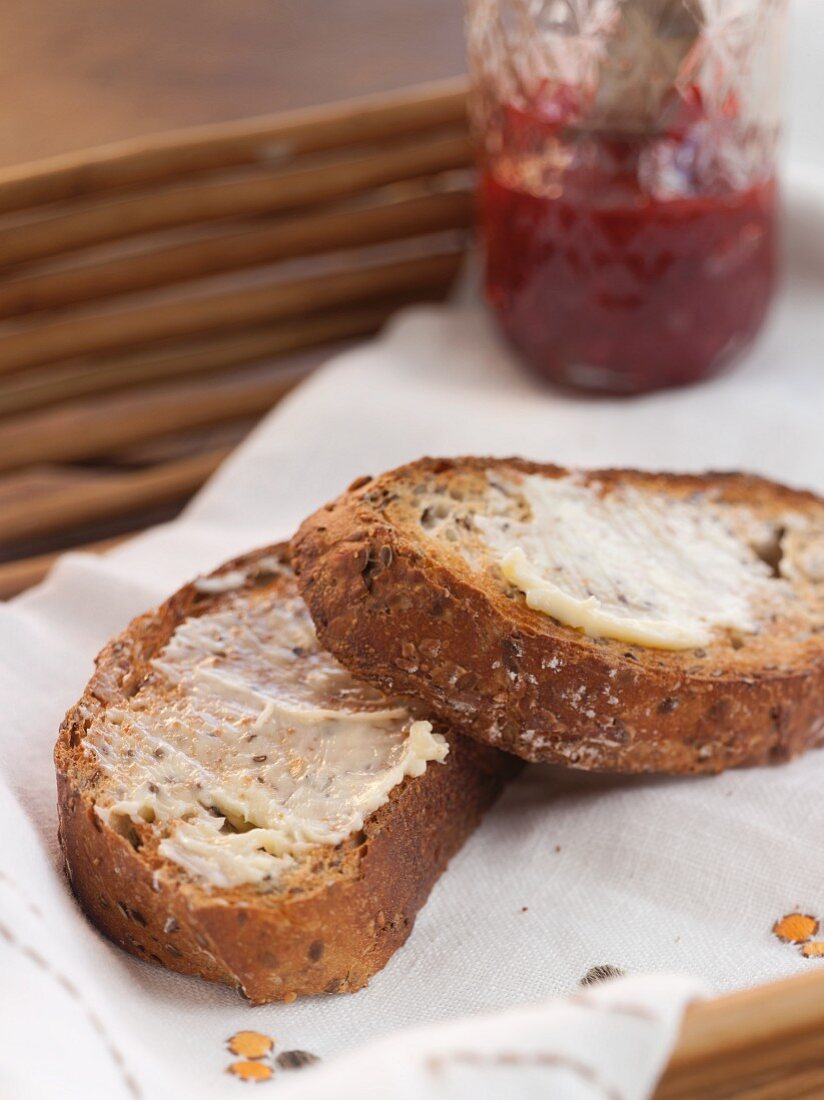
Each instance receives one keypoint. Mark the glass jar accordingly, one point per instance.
(627, 194)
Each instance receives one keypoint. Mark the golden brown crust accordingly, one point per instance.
(405, 612)
(332, 925)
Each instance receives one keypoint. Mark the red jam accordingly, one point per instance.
(603, 282)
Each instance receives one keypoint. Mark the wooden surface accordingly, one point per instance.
(79, 73)
(765, 1043)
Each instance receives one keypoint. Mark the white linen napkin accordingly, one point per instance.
(567, 872)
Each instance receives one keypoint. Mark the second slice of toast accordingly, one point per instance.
(608, 619)
(233, 804)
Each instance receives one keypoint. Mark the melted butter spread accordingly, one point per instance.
(250, 745)
(639, 567)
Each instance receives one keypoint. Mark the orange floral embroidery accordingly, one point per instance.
(798, 929)
(251, 1071)
(251, 1045)
(795, 928)
(256, 1061)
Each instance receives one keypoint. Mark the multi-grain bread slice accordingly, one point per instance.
(233, 804)
(611, 619)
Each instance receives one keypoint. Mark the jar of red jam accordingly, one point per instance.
(627, 192)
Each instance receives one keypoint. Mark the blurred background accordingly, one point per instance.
(93, 71)
(86, 72)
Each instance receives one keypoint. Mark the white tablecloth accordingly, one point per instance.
(568, 871)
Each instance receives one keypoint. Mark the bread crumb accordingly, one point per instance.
(813, 950)
(795, 928)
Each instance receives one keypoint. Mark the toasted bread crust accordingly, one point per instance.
(331, 926)
(413, 618)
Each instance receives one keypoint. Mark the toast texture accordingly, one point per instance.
(404, 578)
(334, 914)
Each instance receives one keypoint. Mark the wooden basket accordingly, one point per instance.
(149, 292)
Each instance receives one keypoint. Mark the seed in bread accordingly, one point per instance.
(608, 619)
(234, 804)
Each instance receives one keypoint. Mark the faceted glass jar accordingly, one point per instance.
(627, 194)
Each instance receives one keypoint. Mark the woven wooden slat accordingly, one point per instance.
(271, 139)
(765, 1043)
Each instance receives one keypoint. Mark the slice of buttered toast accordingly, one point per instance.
(608, 619)
(233, 804)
